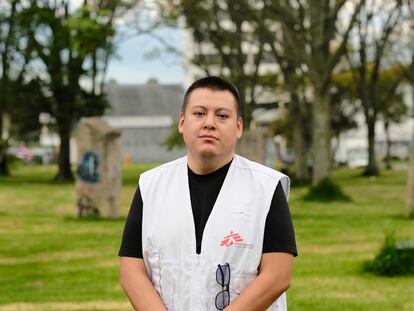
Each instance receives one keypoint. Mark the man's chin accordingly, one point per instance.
(207, 155)
(211, 153)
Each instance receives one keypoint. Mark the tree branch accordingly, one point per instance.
(342, 46)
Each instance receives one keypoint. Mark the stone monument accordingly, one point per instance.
(98, 173)
(254, 145)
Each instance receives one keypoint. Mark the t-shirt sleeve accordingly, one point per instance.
(279, 235)
(131, 245)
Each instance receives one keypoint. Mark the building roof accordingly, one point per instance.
(144, 99)
(122, 122)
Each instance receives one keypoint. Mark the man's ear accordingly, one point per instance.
(181, 123)
(239, 127)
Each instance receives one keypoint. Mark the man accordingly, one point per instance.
(212, 230)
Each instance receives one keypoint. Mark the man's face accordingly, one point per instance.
(210, 124)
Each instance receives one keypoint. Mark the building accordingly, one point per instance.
(146, 114)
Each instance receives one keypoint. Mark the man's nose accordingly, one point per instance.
(210, 121)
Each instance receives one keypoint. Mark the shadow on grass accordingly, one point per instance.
(295, 184)
(326, 191)
(402, 216)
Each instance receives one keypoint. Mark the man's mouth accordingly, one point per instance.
(206, 136)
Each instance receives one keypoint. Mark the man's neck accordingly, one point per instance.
(204, 166)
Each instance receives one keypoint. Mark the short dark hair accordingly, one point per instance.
(216, 84)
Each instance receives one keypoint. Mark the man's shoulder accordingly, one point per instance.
(263, 173)
(165, 167)
(257, 168)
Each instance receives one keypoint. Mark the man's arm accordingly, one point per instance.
(272, 281)
(136, 284)
(133, 273)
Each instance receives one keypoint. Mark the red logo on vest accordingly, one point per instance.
(231, 239)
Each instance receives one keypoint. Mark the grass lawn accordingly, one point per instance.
(49, 260)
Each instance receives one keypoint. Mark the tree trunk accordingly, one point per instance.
(301, 168)
(372, 168)
(246, 108)
(65, 171)
(388, 165)
(4, 167)
(321, 137)
(4, 88)
(299, 117)
(410, 183)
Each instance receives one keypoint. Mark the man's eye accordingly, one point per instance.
(223, 116)
(198, 113)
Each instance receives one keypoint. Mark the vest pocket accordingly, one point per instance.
(169, 283)
(240, 282)
(154, 269)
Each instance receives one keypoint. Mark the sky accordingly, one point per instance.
(132, 65)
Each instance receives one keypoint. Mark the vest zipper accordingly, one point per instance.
(195, 282)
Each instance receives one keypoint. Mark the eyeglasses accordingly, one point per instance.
(223, 278)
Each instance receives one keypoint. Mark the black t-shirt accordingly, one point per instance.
(204, 189)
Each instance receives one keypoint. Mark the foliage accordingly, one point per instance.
(374, 87)
(26, 104)
(221, 26)
(174, 139)
(344, 109)
(72, 45)
(394, 258)
(9, 50)
(387, 79)
(326, 191)
(387, 102)
(310, 27)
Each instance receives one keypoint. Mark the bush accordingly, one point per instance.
(394, 259)
(326, 191)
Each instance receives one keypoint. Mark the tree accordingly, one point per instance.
(72, 46)
(16, 84)
(395, 112)
(376, 24)
(294, 82)
(390, 104)
(7, 42)
(343, 112)
(227, 30)
(301, 116)
(25, 106)
(312, 28)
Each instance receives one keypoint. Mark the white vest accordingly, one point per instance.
(233, 233)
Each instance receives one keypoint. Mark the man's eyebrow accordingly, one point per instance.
(205, 108)
(198, 106)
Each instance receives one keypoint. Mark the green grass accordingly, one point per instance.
(49, 260)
